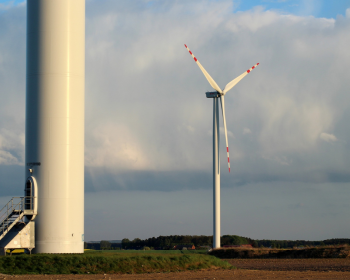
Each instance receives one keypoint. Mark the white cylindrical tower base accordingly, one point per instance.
(55, 121)
(216, 175)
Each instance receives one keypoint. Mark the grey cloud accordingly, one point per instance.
(277, 210)
(328, 137)
(100, 179)
(12, 180)
(12, 89)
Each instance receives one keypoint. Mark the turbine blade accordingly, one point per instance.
(236, 80)
(224, 118)
(209, 78)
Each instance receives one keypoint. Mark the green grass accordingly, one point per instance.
(143, 252)
(96, 262)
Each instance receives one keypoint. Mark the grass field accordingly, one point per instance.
(96, 262)
(338, 251)
(143, 252)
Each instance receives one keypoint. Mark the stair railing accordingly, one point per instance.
(16, 205)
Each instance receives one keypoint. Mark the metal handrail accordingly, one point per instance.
(16, 204)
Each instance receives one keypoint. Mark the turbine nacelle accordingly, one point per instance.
(213, 94)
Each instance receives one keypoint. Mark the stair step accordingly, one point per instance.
(11, 213)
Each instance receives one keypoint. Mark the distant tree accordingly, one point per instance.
(238, 240)
(105, 245)
(226, 240)
(85, 245)
(125, 243)
(137, 243)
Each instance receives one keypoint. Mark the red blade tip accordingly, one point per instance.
(185, 46)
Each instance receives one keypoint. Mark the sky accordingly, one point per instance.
(148, 125)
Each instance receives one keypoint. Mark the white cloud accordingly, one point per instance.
(7, 159)
(246, 131)
(188, 128)
(328, 137)
(290, 126)
(10, 4)
(229, 133)
(116, 146)
(11, 147)
(282, 160)
(7, 6)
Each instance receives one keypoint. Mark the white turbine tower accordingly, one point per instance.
(216, 164)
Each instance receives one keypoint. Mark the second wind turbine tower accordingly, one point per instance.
(216, 137)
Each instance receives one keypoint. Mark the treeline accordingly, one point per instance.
(299, 243)
(103, 245)
(203, 241)
(169, 242)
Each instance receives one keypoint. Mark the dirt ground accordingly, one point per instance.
(247, 269)
(293, 264)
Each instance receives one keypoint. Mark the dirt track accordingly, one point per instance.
(293, 264)
(247, 269)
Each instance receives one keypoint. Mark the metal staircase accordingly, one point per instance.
(14, 217)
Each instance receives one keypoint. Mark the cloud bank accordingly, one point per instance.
(146, 109)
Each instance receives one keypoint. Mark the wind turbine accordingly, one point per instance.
(216, 163)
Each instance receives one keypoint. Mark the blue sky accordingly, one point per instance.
(316, 8)
(148, 157)
(11, 2)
